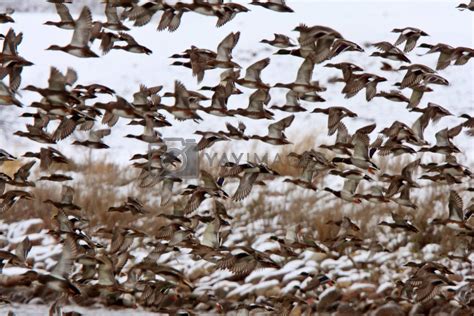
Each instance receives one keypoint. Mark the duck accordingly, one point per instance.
(19, 258)
(312, 96)
(357, 82)
(316, 280)
(66, 22)
(116, 109)
(95, 139)
(451, 167)
(343, 144)
(393, 95)
(456, 219)
(255, 109)
(347, 69)
(335, 115)
(463, 6)
(274, 5)
(241, 261)
(237, 133)
(211, 188)
(311, 161)
(227, 80)
(249, 173)
(7, 96)
(36, 134)
(79, 45)
(207, 140)
(141, 98)
(66, 202)
(12, 197)
(12, 62)
(252, 75)
(181, 109)
(142, 14)
(150, 135)
(444, 144)
(376, 195)
(341, 45)
(280, 41)
(347, 228)
(415, 75)
(389, 51)
(425, 283)
(417, 94)
(315, 40)
(352, 174)
(388, 67)
(205, 8)
(132, 45)
(348, 191)
(56, 92)
(303, 83)
(410, 36)
(276, 134)
(5, 156)
(445, 56)
(461, 55)
(469, 123)
(395, 148)
(228, 12)
(360, 157)
(172, 14)
(56, 177)
(94, 88)
(399, 222)
(224, 52)
(219, 99)
(292, 103)
(441, 178)
(5, 17)
(113, 21)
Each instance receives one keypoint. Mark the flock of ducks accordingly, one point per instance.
(162, 288)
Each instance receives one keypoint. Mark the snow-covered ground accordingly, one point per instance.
(358, 21)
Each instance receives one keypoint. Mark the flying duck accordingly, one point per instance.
(67, 22)
(335, 115)
(79, 45)
(292, 103)
(389, 51)
(276, 135)
(275, 5)
(280, 41)
(409, 35)
(252, 75)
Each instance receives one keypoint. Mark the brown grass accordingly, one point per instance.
(102, 184)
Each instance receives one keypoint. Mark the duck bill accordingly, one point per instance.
(371, 170)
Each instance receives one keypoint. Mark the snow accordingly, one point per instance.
(125, 71)
(359, 21)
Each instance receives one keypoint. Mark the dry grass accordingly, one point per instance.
(102, 184)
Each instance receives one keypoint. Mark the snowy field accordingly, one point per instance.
(359, 21)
